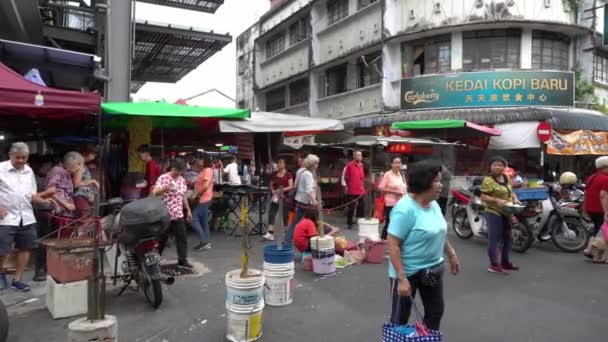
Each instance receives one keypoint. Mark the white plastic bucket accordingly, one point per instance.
(320, 243)
(244, 322)
(245, 292)
(368, 229)
(279, 286)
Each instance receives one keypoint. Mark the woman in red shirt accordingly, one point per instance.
(307, 228)
(281, 178)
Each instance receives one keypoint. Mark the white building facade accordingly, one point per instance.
(347, 59)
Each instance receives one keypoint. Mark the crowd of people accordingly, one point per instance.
(414, 212)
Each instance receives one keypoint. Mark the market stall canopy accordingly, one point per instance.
(515, 135)
(19, 96)
(370, 140)
(446, 124)
(267, 122)
(168, 115)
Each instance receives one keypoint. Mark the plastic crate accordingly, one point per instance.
(535, 194)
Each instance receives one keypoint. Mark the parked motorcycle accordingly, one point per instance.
(140, 226)
(468, 219)
(559, 219)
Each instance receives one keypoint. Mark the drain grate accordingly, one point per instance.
(175, 271)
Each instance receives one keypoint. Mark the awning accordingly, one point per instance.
(19, 96)
(515, 135)
(480, 116)
(370, 140)
(459, 127)
(171, 110)
(267, 122)
(167, 115)
(560, 118)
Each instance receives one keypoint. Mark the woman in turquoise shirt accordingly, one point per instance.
(417, 243)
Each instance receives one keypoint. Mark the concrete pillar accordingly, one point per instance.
(456, 63)
(391, 85)
(83, 330)
(526, 49)
(118, 50)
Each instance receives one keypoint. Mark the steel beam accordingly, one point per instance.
(193, 6)
(70, 35)
(152, 28)
(118, 47)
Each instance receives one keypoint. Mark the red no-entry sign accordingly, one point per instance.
(543, 132)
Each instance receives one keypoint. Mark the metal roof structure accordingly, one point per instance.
(209, 6)
(166, 53)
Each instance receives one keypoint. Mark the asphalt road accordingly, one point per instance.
(555, 297)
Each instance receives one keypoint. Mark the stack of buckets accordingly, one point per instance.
(323, 255)
(245, 305)
(279, 269)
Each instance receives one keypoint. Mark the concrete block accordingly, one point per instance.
(83, 330)
(66, 300)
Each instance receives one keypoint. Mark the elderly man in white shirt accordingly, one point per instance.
(17, 221)
(232, 170)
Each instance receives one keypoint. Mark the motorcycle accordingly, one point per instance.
(468, 219)
(559, 219)
(139, 226)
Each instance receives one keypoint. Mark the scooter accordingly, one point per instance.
(468, 219)
(558, 219)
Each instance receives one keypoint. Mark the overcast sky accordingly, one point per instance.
(219, 71)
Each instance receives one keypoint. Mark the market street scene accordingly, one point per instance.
(303, 170)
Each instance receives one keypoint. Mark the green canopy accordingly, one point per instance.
(166, 115)
(171, 110)
(428, 124)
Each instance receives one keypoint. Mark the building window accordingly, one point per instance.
(275, 45)
(298, 92)
(433, 56)
(299, 31)
(370, 69)
(365, 3)
(550, 51)
(491, 49)
(336, 10)
(335, 80)
(600, 68)
(242, 65)
(275, 99)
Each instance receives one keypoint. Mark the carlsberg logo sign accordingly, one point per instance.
(416, 97)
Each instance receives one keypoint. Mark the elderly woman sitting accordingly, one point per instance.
(60, 177)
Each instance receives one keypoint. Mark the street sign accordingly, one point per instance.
(543, 132)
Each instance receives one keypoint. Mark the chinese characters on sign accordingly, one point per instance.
(488, 89)
(578, 143)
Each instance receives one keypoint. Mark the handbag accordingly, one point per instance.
(410, 333)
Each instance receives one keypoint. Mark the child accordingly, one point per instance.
(307, 228)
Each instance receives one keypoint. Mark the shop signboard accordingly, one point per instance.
(299, 141)
(571, 143)
(488, 89)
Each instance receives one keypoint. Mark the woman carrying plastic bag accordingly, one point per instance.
(417, 244)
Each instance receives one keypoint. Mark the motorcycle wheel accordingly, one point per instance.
(523, 237)
(460, 224)
(152, 289)
(566, 244)
(3, 322)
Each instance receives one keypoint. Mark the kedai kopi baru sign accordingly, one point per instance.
(488, 89)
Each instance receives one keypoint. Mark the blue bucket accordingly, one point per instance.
(272, 255)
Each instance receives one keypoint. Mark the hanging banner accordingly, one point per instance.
(572, 143)
(299, 141)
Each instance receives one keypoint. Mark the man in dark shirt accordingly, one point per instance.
(152, 170)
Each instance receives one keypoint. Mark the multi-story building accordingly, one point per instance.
(347, 58)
